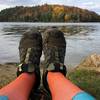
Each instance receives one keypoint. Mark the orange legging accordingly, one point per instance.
(60, 88)
(20, 88)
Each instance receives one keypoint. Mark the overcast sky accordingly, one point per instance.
(93, 5)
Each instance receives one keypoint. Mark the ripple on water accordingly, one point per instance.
(82, 39)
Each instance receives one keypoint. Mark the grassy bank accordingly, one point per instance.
(88, 80)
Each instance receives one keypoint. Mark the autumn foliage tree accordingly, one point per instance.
(48, 13)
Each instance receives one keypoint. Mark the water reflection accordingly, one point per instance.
(68, 30)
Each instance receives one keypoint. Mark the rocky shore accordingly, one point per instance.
(7, 73)
(87, 75)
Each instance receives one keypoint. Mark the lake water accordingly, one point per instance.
(82, 39)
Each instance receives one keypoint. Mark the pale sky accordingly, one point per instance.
(93, 5)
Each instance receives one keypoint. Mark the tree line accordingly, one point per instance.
(48, 13)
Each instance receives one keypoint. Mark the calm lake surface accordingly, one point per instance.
(82, 39)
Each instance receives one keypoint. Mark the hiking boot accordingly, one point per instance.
(30, 50)
(54, 47)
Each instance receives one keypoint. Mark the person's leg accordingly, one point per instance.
(60, 87)
(54, 75)
(28, 71)
(63, 89)
(20, 88)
